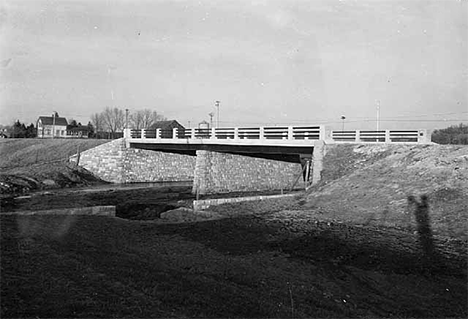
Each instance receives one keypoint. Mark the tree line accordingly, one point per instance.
(456, 134)
(108, 123)
(113, 120)
(20, 130)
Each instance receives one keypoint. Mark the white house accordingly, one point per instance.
(51, 126)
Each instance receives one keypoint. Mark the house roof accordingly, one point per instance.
(166, 124)
(82, 128)
(49, 120)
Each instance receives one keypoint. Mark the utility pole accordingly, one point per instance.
(378, 115)
(53, 124)
(217, 107)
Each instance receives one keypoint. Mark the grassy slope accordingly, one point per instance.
(90, 267)
(370, 185)
(26, 163)
(40, 157)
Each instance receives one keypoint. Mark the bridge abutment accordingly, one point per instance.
(116, 163)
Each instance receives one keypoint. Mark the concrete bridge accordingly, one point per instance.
(221, 160)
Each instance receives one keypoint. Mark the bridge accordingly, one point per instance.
(284, 136)
(229, 159)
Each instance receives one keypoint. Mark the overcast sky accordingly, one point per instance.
(268, 62)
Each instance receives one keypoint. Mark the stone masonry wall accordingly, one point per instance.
(115, 163)
(105, 161)
(221, 172)
(151, 166)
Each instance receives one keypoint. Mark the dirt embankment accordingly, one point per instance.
(370, 184)
(33, 164)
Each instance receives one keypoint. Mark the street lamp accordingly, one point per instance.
(342, 124)
(211, 114)
(126, 118)
(217, 107)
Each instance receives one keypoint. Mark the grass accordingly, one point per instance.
(26, 163)
(35, 156)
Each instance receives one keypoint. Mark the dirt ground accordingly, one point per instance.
(264, 259)
(346, 248)
(370, 184)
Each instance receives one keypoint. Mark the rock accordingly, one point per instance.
(49, 182)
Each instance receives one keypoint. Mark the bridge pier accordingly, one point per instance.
(217, 172)
(317, 161)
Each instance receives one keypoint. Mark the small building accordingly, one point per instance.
(80, 131)
(51, 126)
(167, 127)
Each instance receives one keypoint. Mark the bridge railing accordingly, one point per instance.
(382, 136)
(235, 133)
(284, 133)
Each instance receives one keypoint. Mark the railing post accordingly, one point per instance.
(143, 133)
(127, 133)
(322, 133)
(306, 135)
(158, 133)
(174, 133)
(387, 136)
(192, 133)
(262, 133)
(358, 136)
(422, 136)
(290, 133)
(236, 133)
(213, 133)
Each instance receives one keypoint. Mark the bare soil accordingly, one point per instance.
(316, 255)
(370, 184)
(253, 265)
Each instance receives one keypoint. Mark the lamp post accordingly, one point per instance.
(342, 123)
(126, 118)
(217, 107)
(211, 114)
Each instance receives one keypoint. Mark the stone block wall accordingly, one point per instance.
(105, 161)
(222, 172)
(115, 163)
(151, 166)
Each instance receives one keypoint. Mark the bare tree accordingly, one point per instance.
(113, 119)
(136, 120)
(145, 118)
(98, 122)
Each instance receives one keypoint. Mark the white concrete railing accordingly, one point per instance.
(235, 133)
(278, 133)
(382, 136)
